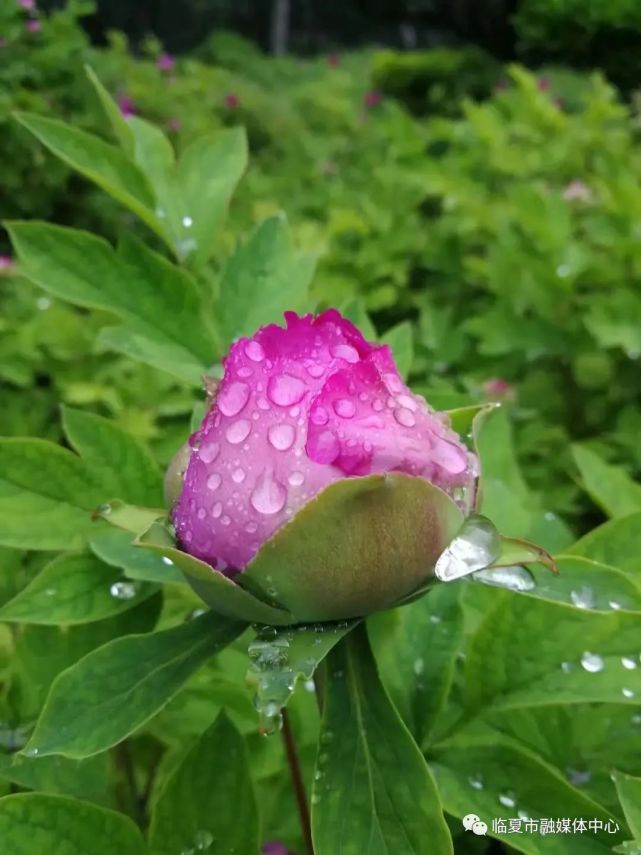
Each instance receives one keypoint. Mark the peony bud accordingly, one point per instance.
(313, 427)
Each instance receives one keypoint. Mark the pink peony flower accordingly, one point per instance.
(577, 191)
(372, 99)
(6, 263)
(298, 409)
(165, 62)
(498, 389)
(232, 101)
(33, 25)
(29, 5)
(543, 83)
(275, 847)
(126, 105)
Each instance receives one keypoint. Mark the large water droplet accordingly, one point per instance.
(238, 431)
(285, 390)
(476, 546)
(515, 578)
(208, 452)
(393, 382)
(214, 481)
(269, 495)
(344, 408)
(583, 598)
(404, 417)
(123, 590)
(323, 447)
(254, 351)
(346, 352)
(592, 662)
(233, 398)
(187, 222)
(627, 693)
(281, 436)
(316, 370)
(628, 663)
(296, 479)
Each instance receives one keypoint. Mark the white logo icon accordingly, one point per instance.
(473, 823)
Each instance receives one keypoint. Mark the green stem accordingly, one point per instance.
(297, 782)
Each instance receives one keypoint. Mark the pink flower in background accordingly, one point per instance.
(165, 62)
(372, 98)
(174, 125)
(29, 5)
(6, 263)
(232, 101)
(543, 84)
(33, 25)
(299, 408)
(498, 389)
(126, 105)
(275, 847)
(333, 60)
(577, 191)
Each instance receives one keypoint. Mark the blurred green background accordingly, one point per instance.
(467, 172)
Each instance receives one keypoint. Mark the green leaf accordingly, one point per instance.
(363, 544)
(117, 688)
(46, 496)
(86, 779)
(126, 469)
(116, 548)
(131, 518)
(33, 822)
(118, 122)
(208, 803)
(629, 792)
(401, 342)
(373, 791)
(279, 660)
(98, 161)
(158, 302)
(610, 486)
(617, 543)
(479, 778)
(416, 648)
(262, 279)
(219, 592)
(74, 589)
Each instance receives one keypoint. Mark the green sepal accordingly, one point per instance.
(133, 518)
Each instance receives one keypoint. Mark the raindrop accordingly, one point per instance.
(254, 351)
(184, 247)
(628, 663)
(281, 436)
(566, 667)
(296, 479)
(310, 686)
(507, 799)
(614, 605)
(217, 510)
(160, 213)
(404, 417)
(592, 662)
(344, 408)
(319, 416)
(627, 693)
(476, 546)
(476, 782)
(233, 398)
(43, 303)
(435, 619)
(203, 840)
(316, 370)
(563, 270)
(209, 452)
(419, 666)
(244, 371)
(238, 476)
(225, 520)
(377, 405)
(523, 815)
(251, 527)
(285, 390)
(104, 510)
(187, 222)
(167, 561)
(269, 495)
(238, 431)
(583, 598)
(407, 402)
(123, 590)
(515, 578)
(201, 513)
(393, 382)
(577, 777)
(214, 481)
(263, 404)
(346, 352)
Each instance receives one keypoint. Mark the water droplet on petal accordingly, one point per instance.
(238, 476)
(208, 452)
(201, 514)
(404, 417)
(251, 527)
(323, 447)
(393, 382)
(238, 431)
(285, 390)
(377, 405)
(281, 437)
(233, 398)
(346, 352)
(214, 481)
(225, 520)
(217, 510)
(269, 495)
(476, 546)
(254, 351)
(408, 402)
(316, 370)
(296, 479)
(244, 371)
(319, 416)
(344, 408)
(123, 590)
(592, 662)
(263, 404)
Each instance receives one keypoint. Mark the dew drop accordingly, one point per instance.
(515, 578)
(214, 481)
(407, 402)
(238, 476)
(245, 372)
(281, 436)
(346, 352)
(203, 840)
(614, 605)
(285, 390)
(319, 416)
(476, 782)
(566, 667)
(344, 408)
(238, 431)
(201, 514)
(577, 777)
(217, 510)
(377, 405)
(592, 662)
(187, 222)
(296, 479)
(435, 619)
(233, 398)
(507, 799)
(628, 663)
(393, 382)
(254, 351)
(251, 527)
(404, 417)
(167, 561)
(627, 693)
(123, 590)
(208, 452)
(263, 403)
(419, 666)
(323, 447)
(225, 520)
(476, 546)
(583, 598)
(316, 370)
(269, 495)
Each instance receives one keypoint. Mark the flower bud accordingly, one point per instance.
(317, 480)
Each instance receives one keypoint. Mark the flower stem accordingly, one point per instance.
(297, 782)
